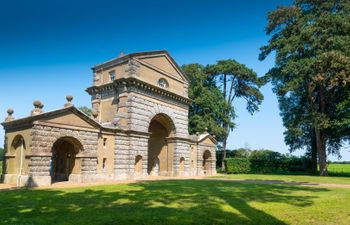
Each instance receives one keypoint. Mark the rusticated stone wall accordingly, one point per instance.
(182, 149)
(43, 139)
(200, 152)
(141, 110)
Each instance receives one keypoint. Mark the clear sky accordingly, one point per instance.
(48, 47)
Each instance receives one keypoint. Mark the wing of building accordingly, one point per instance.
(138, 128)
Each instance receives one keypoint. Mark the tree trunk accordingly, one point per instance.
(224, 125)
(320, 137)
(223, 153)
(313, 153)
(321, 151)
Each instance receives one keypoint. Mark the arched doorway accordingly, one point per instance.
(64, 161)
(160, 154)
(207, 162)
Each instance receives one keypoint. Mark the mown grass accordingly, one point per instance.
(177, 202)
(339, 169)
(288, 178)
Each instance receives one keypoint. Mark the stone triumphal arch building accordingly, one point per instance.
(138, 128)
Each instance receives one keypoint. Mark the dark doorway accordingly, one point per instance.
(63, 160)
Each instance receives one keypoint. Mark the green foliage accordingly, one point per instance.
(311, 75)
(237, 165)
(208, 106)
(2, 152)
(236, 153)
(235, 80)
(267, 161)
(85, 110)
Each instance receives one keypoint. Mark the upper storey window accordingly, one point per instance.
(163, 83)
(112, 75)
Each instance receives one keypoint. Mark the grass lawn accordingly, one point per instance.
(177, 202)
(289, 178)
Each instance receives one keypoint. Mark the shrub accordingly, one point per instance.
(237, 165)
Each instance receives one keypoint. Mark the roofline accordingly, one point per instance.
(30, 119)
(119, 60)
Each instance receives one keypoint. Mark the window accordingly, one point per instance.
(112, 75)
(104, 142)
(163, 83)
(104, 164)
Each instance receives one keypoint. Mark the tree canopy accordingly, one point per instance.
(208, 105)
(311, 42)
(235, 80)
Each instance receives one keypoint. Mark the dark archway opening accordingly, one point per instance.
(64, 161)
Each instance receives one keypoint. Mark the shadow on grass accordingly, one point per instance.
(156, 202)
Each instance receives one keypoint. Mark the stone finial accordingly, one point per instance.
(121, 54)
(132, 68)
(94, 114)
(38, 107)
(9, 115)
(69, 101)
(197, 133)
(206, 129)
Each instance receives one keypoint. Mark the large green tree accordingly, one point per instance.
(235, 80)
(311, 42)
(208, 105)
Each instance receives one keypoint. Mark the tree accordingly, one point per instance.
(85, 110)
(1, 153)
(208, 105)
(235, 81)
(311, 40)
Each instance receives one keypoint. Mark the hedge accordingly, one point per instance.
(237, 165)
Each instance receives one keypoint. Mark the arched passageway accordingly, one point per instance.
(207, 162)
(64, 161)
(160, 152)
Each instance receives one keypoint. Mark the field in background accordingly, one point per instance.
(339, 168)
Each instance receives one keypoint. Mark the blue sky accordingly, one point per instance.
(48, 47)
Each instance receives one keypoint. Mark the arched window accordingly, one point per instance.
(163, 83)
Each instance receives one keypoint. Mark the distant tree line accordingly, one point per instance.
(265, 161)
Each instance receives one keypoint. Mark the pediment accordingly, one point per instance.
(208, 140)
(70, 117)
(163, 64)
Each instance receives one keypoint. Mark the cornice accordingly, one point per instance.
(132, 84)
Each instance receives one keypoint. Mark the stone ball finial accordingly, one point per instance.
(9, 115)
(10, 112)
(38, 106)
(197, 133)
(69, 101)
(206, 129)
(95, 113)
(69, 98)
